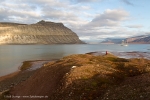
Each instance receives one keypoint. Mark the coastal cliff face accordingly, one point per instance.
(39, 33)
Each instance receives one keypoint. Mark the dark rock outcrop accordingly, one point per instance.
(39, 33)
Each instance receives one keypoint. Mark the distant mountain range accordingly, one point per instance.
(112, 41)
(143, 39)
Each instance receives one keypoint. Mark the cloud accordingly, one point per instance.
(21, 16)
(17, 6)
(127, 2)
(31, 11)
(112, 33)
(134, 26)
(108, 24)
(109, 18)
(84, 1)
(82, 18)
(35, 10)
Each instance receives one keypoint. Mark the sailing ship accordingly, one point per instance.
(124, 43)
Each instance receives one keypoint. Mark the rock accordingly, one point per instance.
(74, 67)
(39, 33)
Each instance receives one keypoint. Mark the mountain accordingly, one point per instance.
(143, 39)
(41, 32)
(112, 41)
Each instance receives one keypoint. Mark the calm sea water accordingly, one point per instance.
(11, 56)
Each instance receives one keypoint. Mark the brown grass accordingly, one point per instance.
(9, 76)
(90, 80)
(26, 65)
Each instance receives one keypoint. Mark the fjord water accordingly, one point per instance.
(11, 56)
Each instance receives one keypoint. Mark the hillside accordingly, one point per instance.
(40, 33)
(111, 41)
(88, 77)
(144, 39)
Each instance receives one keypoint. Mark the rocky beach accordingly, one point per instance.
(24, 72)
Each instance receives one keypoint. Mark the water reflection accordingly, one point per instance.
(12, 55)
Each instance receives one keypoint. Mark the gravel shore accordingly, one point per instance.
(8, 81)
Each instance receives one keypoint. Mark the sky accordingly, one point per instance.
(91, 20)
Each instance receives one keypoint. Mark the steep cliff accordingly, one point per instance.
(39, 33)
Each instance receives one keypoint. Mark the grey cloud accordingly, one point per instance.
(134, 26)
(36, 3)
(34, 10)
(85, 0)
(147, 33)
(51, 3)
(104, 25)
(109, 18)
(128, 2)
(11, 15)
(20, 6)
(57, 14)
(120, 33)
(4, 14)
(30, 10)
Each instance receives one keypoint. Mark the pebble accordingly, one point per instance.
(74, 67)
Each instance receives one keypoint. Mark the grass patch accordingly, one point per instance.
(130, 69)
(26, 65)
(114, 59)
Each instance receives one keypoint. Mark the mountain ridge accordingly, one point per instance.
(41, 32)
(142, 39)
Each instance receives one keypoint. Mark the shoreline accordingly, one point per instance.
(12, 79)
(83, 73)
(21, 64)
(127, 55)
(21, 75)
(9, 75)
